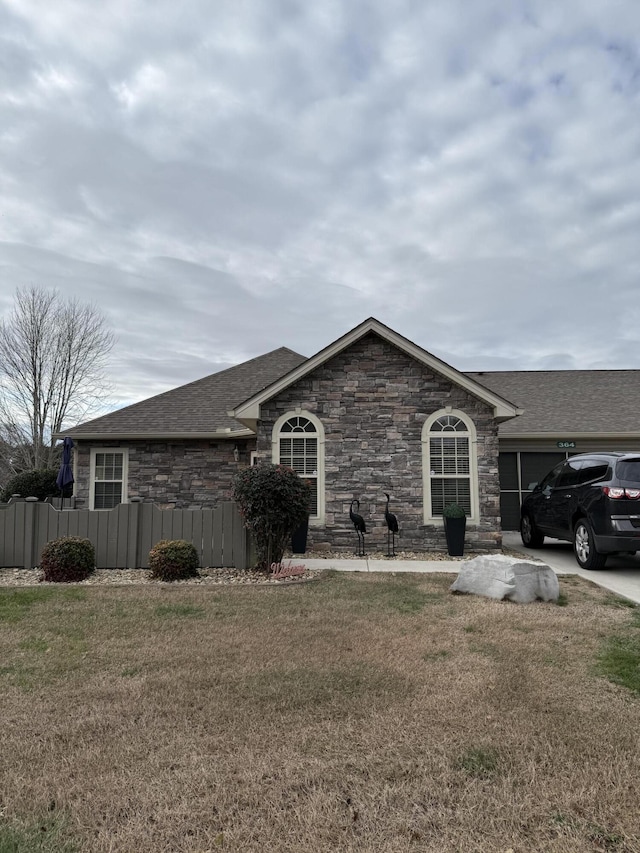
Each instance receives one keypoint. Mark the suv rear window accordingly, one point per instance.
(628, 470)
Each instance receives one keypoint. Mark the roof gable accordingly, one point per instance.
(248, 412)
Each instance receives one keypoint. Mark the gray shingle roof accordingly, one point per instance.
(197, 408)
(565, 402)
(558, 402)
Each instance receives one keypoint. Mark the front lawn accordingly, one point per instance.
(355, 713)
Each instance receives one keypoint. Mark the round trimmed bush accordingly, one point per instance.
(68, 559)
(173, 560)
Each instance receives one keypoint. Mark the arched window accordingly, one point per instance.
(449, 464)
(298, 442)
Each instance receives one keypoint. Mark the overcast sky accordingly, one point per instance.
(225, 178)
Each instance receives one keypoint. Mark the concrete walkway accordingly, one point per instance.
(364, 564)
(622, 575)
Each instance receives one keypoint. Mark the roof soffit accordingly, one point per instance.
(218, 435)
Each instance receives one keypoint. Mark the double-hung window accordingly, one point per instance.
(108, 478)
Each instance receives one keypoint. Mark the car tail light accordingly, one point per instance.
(613, 492)
(616, 492)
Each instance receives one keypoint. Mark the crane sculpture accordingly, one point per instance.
(392, 528)
(359, 525)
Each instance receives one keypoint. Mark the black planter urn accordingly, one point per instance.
(454, 529)
(299, 538)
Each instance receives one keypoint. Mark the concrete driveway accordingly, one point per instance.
(621, 575)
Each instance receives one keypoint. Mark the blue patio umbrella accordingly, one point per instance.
(65, 474)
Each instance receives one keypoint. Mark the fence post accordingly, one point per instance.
(30, 509)
(133, 534)
(239, 540)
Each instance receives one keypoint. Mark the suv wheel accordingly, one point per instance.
(529, 533)
(584, 547)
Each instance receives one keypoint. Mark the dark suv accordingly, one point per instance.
(592, 500)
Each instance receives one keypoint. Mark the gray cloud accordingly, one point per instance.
(221, 185)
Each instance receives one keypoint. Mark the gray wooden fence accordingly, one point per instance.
(123, 536)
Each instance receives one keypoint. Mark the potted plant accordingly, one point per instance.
(455, 523)
(299, 537)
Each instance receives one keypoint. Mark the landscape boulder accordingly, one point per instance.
(502, 577)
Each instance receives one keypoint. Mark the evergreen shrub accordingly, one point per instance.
(68, 559)
(173, 560)
(453, 510)
(39, 484)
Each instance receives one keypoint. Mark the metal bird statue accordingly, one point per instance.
(360, 526)
(392, 528)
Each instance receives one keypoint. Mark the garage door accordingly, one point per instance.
(517, 471)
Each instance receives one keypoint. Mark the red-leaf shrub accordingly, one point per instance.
(274, 502)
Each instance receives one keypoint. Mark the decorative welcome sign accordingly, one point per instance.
(279, 570)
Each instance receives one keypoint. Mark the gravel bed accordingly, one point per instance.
(399, 555)
(376, 555)
(125, 577)
(219, 577)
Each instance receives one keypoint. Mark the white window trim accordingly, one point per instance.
(474, 518)
(319, 519)
(92, 473)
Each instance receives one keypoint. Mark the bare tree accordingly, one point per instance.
(53, 353)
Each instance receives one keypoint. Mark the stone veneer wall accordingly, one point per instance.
(373, 400)
(181, 474)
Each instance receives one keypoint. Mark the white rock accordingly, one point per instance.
(506, 577)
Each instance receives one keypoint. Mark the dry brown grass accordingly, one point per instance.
(357, 713)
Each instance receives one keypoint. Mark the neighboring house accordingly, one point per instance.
(565, 412)
(371, 413)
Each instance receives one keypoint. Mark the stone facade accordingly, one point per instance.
(373, 400)
(180, 474)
